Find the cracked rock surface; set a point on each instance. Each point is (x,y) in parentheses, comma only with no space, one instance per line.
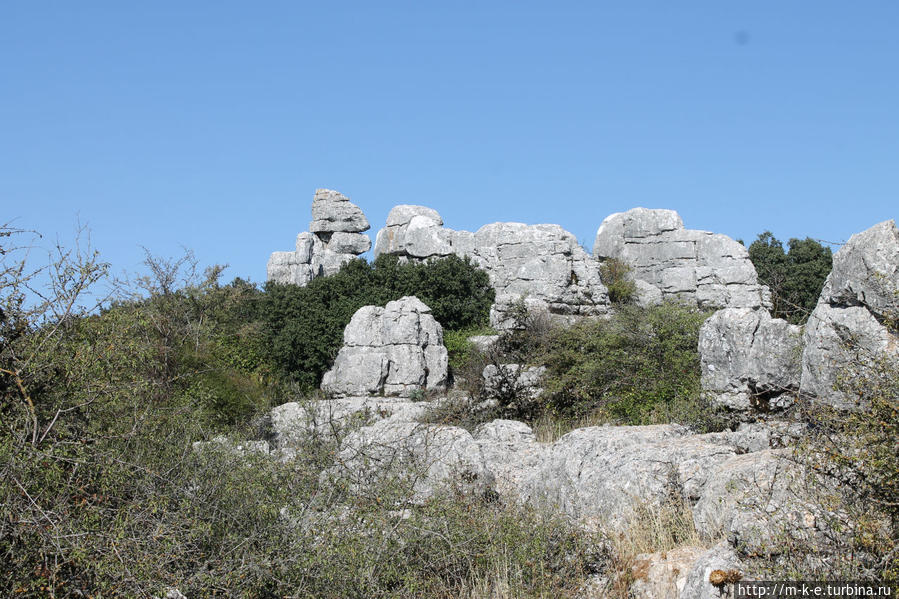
(543,264)
(712,270)
(334,238)
(848,328)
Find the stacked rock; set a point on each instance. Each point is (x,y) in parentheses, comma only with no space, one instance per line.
(334,238)
(541,264)
(712,270)
(393,351)
(854,324)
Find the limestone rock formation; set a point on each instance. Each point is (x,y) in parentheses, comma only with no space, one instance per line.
(511,452)
(851,325)
(542,264)
(333,212)
(720,559)
(599,474)
(334,238)
(422,459)
(286,425)
(711,269)
(754,498)
(663,575)
(395,351)
(749,360)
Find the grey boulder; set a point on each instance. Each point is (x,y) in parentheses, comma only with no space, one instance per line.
(848,331)
(749,361)
(395,351)
(711,270)
(332,212)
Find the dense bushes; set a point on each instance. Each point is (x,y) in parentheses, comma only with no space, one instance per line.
(795,277)
(640,366)
(304,325)
(104,493)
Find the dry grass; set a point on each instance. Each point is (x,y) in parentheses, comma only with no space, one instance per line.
(651,529)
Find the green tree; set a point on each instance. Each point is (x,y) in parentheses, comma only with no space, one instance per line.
(795,277)
(304,325)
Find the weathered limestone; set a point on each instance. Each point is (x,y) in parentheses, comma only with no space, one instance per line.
(334,238)
(513,380)
(396,351)
(755,500)
(848,330)
(288,424)
(749,360)
(663,575)
(511,452)
(332,212)
(541,264)
(719,564)
(598,475)
(421,459)
(710,269)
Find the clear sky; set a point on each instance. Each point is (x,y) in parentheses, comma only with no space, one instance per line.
(210,124)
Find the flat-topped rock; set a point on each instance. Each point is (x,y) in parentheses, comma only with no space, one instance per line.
(332,212)
(712,270)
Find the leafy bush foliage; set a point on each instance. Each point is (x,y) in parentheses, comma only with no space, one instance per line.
(104,493)
(795,277)
(304,325)
(641,366)
(459,348)
(615,275)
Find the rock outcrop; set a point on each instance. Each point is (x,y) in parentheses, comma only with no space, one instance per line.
(542,264)
(663,575)
(719,564)
(395,351)
(599,475)
(854,324)
(710,269)
(756,500)
(508,381)
(334,238)
(511,452)
(749,360)
(288,424)
(415,460)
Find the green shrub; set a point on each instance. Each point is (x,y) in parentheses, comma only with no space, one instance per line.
(795,277)
(304,325)
(103,492)
(640,366)
(616,276)
(458,346)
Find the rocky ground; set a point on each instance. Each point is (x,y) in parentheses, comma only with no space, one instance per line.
(743,489)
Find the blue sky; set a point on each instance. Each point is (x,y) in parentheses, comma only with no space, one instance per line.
(210,124)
